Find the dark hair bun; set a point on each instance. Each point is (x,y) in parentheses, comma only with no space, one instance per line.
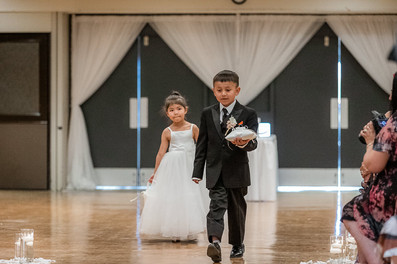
(174,98)
(175,93)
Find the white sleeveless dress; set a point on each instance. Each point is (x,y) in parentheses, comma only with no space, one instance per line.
(175,207)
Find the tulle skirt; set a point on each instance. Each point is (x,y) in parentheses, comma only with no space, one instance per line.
(174,206)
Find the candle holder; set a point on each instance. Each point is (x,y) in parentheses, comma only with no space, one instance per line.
(350,248)
(336,249)
(17,247)
(27,254)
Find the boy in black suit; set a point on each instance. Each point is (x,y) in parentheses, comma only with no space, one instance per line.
(227,169)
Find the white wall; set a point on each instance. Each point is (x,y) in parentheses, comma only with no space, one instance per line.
(26,22)
(59,99)
(201,6)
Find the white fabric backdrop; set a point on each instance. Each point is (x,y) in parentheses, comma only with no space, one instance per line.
(98,44)
(369,39)
(258,48)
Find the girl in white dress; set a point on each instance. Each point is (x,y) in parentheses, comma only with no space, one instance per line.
(174,205)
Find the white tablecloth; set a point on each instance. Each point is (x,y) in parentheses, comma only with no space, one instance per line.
(263,168)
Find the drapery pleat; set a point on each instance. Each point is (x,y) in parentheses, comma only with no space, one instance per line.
(258,48)
(98,45)
(369,39)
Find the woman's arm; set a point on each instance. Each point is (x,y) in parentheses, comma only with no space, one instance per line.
(165,140)
(373,161)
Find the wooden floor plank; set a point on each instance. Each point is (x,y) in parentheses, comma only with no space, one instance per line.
(100,227)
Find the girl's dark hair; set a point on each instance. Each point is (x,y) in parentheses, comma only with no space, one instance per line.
(393,102)
(174,98)
(226,76)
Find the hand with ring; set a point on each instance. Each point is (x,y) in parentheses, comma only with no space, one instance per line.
(368,132)
(365,173)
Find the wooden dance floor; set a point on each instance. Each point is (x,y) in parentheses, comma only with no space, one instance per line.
(100,227)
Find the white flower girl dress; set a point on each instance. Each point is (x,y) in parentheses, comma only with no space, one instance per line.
(175,207)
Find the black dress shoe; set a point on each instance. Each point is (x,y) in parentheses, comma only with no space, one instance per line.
(237,251)
(214,252)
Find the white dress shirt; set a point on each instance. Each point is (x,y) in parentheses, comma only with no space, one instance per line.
(229,109)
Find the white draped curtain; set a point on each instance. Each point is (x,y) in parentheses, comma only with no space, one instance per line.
(258,48)
(98,44)
(369,39)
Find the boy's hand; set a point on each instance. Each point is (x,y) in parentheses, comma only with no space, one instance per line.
(240,142)
(196,180)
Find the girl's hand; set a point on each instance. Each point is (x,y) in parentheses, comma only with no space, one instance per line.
(151,179)
(368,133)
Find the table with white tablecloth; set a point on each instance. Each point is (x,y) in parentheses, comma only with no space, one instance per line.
(263,163)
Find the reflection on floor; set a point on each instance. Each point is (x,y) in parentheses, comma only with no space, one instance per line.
(100,227)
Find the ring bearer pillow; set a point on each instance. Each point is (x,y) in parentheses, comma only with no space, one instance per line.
(241,132)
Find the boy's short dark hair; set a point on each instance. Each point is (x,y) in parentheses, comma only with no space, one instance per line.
(226,76)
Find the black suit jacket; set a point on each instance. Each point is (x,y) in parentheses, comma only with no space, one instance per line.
(216,155)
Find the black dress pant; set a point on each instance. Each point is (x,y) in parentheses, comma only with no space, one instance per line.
(232,200)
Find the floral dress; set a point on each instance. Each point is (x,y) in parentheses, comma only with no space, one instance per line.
(377,203)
